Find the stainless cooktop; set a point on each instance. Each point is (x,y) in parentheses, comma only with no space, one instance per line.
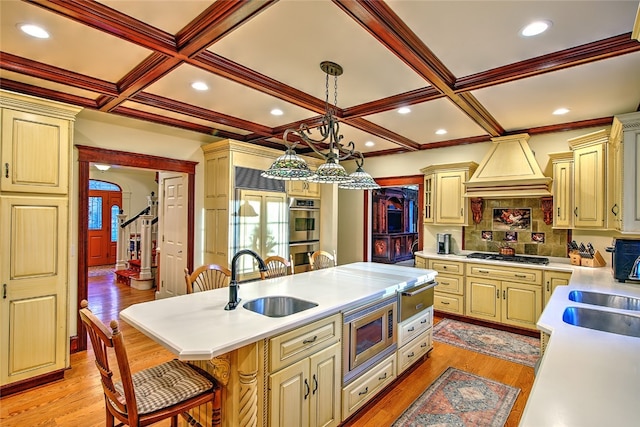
(511,258)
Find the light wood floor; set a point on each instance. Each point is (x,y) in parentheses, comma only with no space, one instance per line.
(78,400)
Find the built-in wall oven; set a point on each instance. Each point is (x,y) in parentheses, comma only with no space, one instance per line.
(369,335)
(304,230)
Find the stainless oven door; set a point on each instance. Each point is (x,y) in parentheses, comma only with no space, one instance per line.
(414,300)
(304,220)
(299,252)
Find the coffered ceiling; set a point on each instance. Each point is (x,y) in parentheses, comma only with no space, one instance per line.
(460,66)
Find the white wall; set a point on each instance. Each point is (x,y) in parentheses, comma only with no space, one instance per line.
(351,210)
(136,185)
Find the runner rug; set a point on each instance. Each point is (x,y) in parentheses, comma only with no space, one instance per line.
(458,398)
(505,345)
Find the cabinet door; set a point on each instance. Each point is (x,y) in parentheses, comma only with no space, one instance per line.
(33,311)
(589,197)
(450,204)
(35,153)
(304,189)
(483,298)
(553,279)
(521,304)
(289,393)
(562,194)
(325,384)
(429,199)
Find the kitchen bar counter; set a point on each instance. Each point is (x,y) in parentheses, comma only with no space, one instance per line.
(196,326)
(586,377)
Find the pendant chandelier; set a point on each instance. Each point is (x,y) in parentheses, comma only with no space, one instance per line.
(290,166)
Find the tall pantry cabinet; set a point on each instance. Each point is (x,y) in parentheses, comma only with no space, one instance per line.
(36,142)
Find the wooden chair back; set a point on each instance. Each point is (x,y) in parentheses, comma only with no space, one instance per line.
(322,259)
(207,277)
(277,266)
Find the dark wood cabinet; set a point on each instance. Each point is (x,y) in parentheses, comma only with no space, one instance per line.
(395,224)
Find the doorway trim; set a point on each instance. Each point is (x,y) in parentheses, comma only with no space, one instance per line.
(396,181)
(87,155)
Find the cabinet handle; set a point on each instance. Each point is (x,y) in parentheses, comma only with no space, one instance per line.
(365,391)
(498,293)
(6,170)
(445,302)
(4,291)
(548,288)
(410,354)
(306,389)
(310,340)
(461,211)
(423,345)
(384,377)
(575,211)
(411,329)
(444,267)
(558,212)
(614,209)
(483,271)
(423,321)
(504,294)
(315,384)
(520,276)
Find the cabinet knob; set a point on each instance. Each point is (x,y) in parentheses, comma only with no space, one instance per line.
(6,170)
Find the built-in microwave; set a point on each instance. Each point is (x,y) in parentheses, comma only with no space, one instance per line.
(369,335)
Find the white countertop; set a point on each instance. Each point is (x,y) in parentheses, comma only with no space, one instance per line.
(586,377)
(196,326)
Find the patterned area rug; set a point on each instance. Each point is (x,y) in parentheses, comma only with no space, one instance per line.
(101,270)
(460,399)
(505,345)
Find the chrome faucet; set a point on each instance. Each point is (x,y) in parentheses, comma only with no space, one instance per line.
(233,285)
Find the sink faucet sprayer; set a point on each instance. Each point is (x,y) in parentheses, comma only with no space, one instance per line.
(233,285)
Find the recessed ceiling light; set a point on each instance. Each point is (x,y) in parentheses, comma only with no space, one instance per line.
(561,111)
(404,110)
(441,132)
(535,28)
(369,144)
(277,112)
(102,167)
(199,86)
(34,31)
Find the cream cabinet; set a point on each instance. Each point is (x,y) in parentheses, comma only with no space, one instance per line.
(309,190)
(553,279)
(446,202)
(589,178)
(36,141)
(367,386)
(625,141)
(449,293)
(562,189)
(414,339)
(305,375)
(511,296)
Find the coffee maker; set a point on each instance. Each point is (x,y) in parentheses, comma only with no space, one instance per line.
(444,243)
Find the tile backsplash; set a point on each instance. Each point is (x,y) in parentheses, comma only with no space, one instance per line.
(542,240)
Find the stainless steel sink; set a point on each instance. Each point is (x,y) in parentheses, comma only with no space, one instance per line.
(605,300)
(606,321)
(278,306)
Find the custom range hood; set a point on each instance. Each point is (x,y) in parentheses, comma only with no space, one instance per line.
(508,170)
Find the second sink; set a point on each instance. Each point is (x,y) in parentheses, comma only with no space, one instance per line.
(278,306)
(605,300)
(606,321)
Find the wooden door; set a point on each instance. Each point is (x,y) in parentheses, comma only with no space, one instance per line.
(33,311)
(325,387)
(102,239)
(289,392)
(173,234)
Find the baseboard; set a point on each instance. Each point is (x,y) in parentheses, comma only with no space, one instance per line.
(19,386)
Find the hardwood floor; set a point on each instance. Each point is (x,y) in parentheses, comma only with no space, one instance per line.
(78,400)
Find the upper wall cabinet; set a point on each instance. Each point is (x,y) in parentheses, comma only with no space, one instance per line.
(625,148)
(589,178)
(444,201)
(306,189)
(562,189)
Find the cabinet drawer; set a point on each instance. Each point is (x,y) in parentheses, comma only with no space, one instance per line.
(413,351)
(448,302)
(521,275)
(448,267)
(368,385)
(414,326)
(450,284)
(302,342)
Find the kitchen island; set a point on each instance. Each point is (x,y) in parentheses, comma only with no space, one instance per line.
(232,344)
(586,377)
